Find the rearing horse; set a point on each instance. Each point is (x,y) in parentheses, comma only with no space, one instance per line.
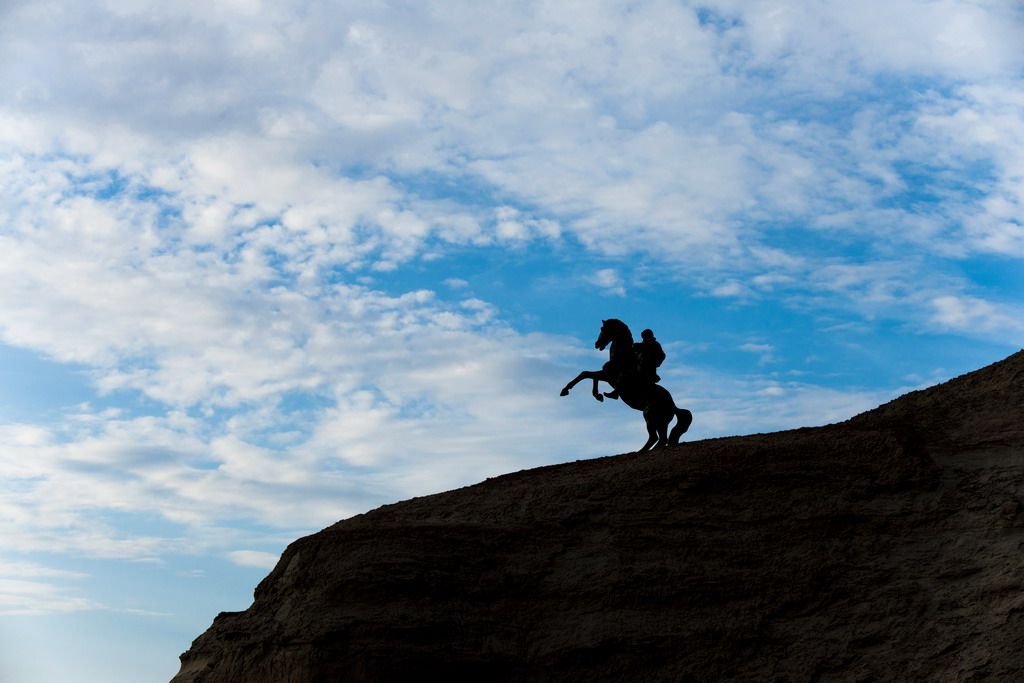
(622,373)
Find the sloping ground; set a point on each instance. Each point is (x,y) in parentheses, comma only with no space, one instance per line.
(887,547)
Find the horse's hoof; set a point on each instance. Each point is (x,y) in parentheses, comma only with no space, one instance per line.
(564,392)
(599,398)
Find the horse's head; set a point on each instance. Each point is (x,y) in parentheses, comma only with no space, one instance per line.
(613,330)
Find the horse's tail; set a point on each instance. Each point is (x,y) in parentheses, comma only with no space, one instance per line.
(683,419)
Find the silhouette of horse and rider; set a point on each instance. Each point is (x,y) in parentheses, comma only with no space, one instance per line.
(631,371)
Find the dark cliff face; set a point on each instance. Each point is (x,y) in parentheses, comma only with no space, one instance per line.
(887,547)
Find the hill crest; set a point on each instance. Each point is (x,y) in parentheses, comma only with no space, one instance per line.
(882,547)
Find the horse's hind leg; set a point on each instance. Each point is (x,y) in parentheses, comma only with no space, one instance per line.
(652,433)
(663,432)
(684,418)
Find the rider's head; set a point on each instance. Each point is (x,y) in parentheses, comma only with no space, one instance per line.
(647,335)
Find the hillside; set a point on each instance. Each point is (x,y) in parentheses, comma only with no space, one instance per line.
(886,547)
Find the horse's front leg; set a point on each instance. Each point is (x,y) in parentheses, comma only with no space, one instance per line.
(595,375)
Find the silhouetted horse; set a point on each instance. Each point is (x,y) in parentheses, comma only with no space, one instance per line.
(622,373)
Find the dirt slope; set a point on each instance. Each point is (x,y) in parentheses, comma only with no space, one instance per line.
(887,547)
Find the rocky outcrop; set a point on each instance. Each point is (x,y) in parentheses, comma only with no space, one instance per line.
(887,547)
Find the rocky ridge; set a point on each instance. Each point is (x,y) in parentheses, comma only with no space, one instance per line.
(886,547)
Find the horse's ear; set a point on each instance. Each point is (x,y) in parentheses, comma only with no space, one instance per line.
(603,322)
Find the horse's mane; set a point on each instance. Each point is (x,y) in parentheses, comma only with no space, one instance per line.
(620,328)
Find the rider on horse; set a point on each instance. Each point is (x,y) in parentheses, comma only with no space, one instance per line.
(649,355)
(631,371)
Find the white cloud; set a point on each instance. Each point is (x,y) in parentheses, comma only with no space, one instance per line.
(766,353)
(609,280)
(631,130)
(21,597)
(974,316)
(729,289)
(23,593)
(254,558)
(33,570)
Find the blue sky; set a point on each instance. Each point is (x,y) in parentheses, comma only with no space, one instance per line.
(264,266)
